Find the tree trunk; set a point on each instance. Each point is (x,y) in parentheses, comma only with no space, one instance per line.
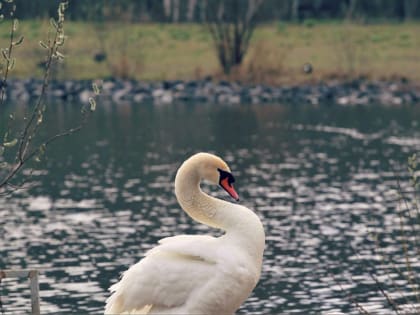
(203,10)
(409,9)
(351,10)
(295,10)
(175,11)
(167,8)
(191,10)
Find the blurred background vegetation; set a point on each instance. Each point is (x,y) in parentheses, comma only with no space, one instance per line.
(173,39)
(195,10)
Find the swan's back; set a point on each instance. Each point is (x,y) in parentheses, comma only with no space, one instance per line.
(183,275)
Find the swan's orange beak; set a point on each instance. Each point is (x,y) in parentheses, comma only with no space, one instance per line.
(226,185)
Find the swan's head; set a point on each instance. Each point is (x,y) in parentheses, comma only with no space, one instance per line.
(213,169)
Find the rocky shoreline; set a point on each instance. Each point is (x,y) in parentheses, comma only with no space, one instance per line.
(355,92)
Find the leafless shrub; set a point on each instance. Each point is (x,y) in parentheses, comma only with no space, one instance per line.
(27,144)
(231,24)
(399,280)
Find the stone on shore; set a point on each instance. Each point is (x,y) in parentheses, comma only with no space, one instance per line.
(356,92)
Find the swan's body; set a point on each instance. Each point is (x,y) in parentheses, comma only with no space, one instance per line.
(192,274)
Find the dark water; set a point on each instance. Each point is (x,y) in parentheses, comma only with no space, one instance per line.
(323,180)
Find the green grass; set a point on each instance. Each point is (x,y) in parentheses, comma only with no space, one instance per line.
(185,51)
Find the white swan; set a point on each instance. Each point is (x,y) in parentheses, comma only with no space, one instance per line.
(193,274)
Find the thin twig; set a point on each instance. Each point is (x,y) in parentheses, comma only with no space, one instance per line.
(8,60)
(1,301)
(25,141)
(389,260)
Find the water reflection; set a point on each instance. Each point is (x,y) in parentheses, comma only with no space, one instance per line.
(322,179)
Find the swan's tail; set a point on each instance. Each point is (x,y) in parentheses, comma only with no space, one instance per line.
(115,305)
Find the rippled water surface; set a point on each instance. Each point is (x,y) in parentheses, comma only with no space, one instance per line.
(321,179)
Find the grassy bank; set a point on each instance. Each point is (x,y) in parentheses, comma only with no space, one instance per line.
(277,54)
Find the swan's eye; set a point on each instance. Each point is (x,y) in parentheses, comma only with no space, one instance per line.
(226,176)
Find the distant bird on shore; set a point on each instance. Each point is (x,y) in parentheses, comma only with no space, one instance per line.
(307,68)
(99,56)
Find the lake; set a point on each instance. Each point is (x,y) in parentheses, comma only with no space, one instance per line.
(322,179)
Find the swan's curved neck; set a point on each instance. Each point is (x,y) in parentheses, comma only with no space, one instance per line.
(241,224)
(200,206)
(208,210)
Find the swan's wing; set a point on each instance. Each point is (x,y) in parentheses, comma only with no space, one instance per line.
(166,277)
(199,246)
